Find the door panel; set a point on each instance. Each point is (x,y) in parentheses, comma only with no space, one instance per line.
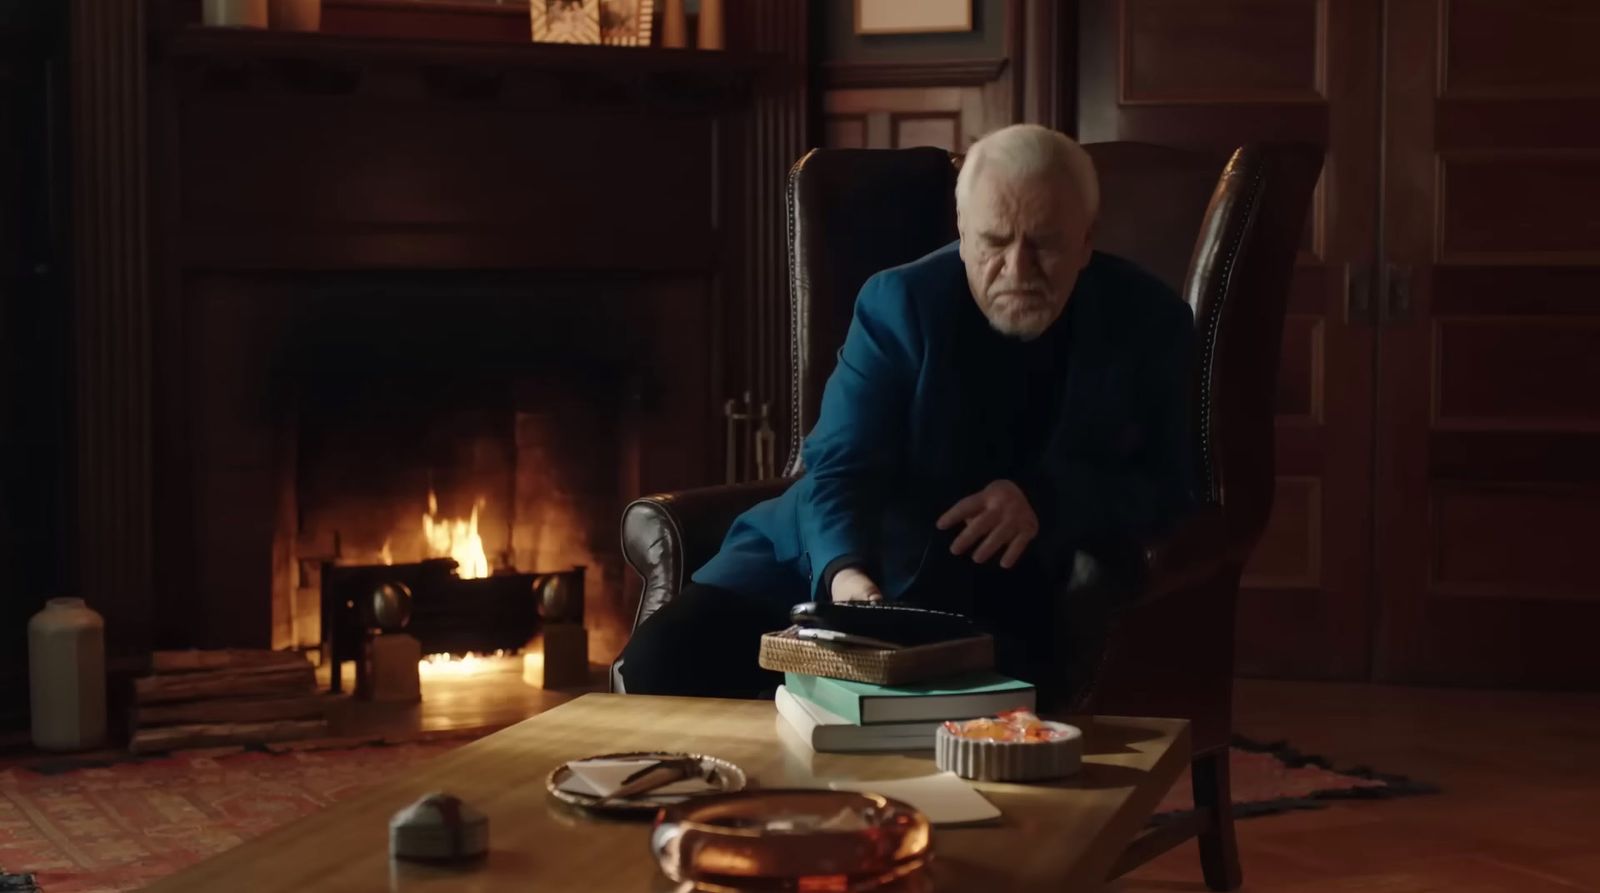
(1213,74)
(1488,416)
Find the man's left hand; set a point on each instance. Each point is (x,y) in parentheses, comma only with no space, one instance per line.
(998,517)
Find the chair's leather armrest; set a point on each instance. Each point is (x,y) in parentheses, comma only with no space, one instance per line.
(1192,553)
(666,536)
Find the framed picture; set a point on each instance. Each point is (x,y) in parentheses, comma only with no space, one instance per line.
(920,17)
(626,22)
(565,21)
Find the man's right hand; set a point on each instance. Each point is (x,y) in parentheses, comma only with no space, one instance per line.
(852,585)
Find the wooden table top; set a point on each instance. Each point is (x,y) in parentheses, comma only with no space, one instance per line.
(1062,836)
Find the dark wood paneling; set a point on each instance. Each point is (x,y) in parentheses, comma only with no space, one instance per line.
(455,20)
(942,130)
(1487,427)
(1530,203)
(1521,47)
(910,73)
(1507,643)
(1222,126)
(1309,291)
(1221,51)
(1460,290)
(1293,633)
(113,402)
(1554,456)
(1518,373)
(1290,554)
(433,20)
(342,180)
(777,134)
(1215,76)
(1300,372)
(845,132)
(1519,542)
(1517,121)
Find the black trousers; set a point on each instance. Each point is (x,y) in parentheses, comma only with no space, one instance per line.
(706,642)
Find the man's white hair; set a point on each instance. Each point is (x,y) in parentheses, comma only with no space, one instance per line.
(1028,150)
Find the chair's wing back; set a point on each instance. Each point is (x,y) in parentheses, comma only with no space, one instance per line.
(1238,286)
(852,213)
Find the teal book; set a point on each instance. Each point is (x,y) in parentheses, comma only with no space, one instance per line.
(962,697)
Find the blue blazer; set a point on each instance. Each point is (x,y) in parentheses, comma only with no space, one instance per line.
(907,428)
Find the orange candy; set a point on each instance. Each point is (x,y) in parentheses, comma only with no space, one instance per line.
(1015,725)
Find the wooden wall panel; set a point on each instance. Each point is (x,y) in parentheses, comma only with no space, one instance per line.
(941,130)
(950,117)
(1214,75)
(1488,422)
(1290,554)
(1518,373)
(845,132)
(899,91)
(1514,290)
(1515,541)
(775,133)
(1521,48)
(1222,50)
(1300,372)
(1507,204)
(1515,455)
(115,366)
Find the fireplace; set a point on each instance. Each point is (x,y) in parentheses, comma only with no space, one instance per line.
(331,276)
(499,422)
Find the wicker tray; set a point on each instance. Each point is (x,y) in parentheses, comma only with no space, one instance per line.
(788,653)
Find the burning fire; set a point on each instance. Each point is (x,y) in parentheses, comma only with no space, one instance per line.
(436,666)
(458,539)
(455,538)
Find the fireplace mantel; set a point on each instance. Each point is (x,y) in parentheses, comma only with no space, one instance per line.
(226,47)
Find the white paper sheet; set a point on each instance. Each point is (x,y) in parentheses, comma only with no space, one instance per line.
(943,797)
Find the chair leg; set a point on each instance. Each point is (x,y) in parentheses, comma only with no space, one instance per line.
(1219,854)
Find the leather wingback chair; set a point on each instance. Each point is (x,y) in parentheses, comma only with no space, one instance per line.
(1225,236)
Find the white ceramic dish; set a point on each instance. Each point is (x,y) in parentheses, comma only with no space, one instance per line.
(1011,760)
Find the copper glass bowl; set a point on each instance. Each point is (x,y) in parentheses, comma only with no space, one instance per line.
(788,840)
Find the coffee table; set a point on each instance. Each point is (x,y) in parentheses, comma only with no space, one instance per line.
(1061,837)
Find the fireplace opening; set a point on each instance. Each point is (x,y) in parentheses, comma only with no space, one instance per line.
(472,488)
(476,432)
(498,420)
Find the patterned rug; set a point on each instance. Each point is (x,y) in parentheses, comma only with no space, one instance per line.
(120,825)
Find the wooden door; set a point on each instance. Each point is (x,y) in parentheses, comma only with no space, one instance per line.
(1215,74)
(1489,406)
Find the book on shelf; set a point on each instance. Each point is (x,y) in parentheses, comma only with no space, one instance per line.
(962,697)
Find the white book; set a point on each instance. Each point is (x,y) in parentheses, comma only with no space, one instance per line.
(828,733)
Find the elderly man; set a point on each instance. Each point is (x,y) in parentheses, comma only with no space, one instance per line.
(1002,409)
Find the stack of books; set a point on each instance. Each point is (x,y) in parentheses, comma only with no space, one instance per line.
(840,715)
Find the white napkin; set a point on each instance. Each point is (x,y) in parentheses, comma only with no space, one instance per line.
(602,778)
(943,797)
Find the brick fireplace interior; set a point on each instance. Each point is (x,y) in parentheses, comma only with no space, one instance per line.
(328,409)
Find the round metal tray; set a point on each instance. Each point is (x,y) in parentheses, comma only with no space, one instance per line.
(725,777)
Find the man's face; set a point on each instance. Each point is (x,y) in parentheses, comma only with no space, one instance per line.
(1024,241)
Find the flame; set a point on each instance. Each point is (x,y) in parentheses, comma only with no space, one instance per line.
(455,538)
(386,555)
(470,664)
